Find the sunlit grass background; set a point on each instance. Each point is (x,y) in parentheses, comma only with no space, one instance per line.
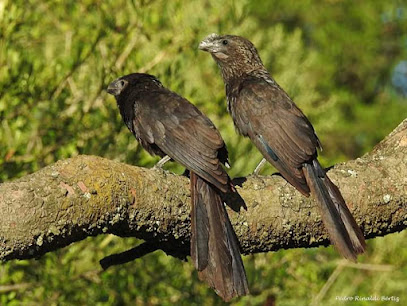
(341,61)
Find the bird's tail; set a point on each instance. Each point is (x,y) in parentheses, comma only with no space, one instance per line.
(214,246)
(343,231)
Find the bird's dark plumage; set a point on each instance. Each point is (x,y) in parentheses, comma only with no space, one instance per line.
(167,124)
(262,111)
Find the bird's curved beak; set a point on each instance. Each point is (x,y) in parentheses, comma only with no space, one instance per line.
(208,44)
(204,46)
(113,88)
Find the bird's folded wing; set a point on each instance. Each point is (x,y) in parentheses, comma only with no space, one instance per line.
(185,134)
(278,128)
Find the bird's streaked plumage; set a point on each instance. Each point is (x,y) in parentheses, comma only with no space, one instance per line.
(263,111)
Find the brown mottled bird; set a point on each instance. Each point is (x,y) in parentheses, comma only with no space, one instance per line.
(167,124)
(263,111)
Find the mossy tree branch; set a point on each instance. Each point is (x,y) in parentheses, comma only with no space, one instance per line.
(87,196)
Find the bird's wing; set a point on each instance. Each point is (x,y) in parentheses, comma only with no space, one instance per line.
(182,132)
(278,128)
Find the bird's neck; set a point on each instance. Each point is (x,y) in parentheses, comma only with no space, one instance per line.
(233,84)
(237,73)
(237,77)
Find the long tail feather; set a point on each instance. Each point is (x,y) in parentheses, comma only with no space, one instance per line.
(214,246)
(342,228)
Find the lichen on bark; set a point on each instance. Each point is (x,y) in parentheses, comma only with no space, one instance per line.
(88,196)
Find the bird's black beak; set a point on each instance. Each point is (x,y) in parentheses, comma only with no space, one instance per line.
(208,44)
(114,88)
(203,46)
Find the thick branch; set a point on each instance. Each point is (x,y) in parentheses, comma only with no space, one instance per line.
(87,196)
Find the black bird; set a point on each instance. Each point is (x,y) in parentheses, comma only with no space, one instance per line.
(262,111)
(165,123)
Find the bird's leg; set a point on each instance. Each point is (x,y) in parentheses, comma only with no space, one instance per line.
(162,161)
(259,167)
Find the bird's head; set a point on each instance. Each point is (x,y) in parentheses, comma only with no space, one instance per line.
(235,55)
(134,82)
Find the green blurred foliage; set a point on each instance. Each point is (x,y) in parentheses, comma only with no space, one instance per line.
(334,58)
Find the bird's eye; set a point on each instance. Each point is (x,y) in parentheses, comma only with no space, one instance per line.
(224,42)
(122,83)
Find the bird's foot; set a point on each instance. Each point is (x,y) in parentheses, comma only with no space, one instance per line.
(161,163)
(259,167)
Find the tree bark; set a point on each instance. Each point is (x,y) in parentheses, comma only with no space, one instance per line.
(88,195)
